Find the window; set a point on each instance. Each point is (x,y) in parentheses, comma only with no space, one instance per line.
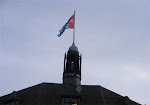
(70,101)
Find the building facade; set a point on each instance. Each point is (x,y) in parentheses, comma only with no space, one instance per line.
(70,92)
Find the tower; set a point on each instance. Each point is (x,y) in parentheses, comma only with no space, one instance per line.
(72,77)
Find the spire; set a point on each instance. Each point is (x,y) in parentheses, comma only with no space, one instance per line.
(73,48)
(72,62)
(72,71)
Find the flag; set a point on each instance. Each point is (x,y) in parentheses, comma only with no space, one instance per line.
(69,24)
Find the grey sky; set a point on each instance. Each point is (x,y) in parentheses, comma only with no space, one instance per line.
(112,35)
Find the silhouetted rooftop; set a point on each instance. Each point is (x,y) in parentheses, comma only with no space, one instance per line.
(50,94)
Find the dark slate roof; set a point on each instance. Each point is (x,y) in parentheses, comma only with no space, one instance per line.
(73,48)
(51,93)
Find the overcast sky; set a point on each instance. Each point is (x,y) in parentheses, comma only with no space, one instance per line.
(112,35)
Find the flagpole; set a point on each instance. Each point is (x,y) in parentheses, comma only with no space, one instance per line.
(74,30)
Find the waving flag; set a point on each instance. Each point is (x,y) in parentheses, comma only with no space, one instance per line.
(69,24)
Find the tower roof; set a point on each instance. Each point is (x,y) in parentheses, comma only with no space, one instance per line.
(73,48)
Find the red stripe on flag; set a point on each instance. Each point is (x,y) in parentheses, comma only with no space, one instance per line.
(71,22)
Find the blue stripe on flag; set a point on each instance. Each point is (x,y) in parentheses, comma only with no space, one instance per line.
(63,29)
